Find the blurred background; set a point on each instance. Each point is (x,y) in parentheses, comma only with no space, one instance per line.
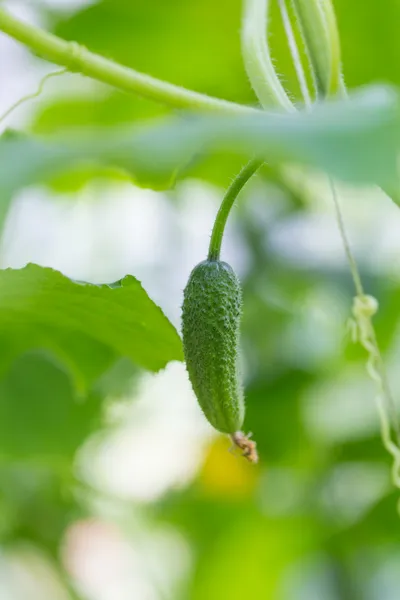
(146,502)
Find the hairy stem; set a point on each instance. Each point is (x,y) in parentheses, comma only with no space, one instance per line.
(257,57)
(78,59)
(294,51)
(318,26)
(229,199)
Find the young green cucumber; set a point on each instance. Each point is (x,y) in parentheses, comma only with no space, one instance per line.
(212,309)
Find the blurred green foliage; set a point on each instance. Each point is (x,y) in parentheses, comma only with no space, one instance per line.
(318,516)
(355,140)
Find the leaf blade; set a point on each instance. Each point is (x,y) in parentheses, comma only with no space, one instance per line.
(51,308)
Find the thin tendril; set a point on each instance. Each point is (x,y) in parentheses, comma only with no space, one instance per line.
(343,234)
(34,94)
(364,308)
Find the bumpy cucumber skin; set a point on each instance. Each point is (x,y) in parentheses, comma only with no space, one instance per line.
(212,309)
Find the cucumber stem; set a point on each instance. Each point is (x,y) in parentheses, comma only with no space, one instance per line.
(229,199)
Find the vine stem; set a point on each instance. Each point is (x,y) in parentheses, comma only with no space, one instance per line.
(77,58)
(222,216)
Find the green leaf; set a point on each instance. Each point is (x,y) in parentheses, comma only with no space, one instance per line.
(355,140)
(86,326)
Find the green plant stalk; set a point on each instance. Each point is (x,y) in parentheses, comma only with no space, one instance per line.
(257,57)
(229,199)
(294,51)
(78,59)
(318,26)
(336,54)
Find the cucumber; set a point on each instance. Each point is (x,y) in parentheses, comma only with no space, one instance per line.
(212,309)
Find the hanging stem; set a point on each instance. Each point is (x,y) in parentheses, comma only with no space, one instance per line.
(269,91)
(229,199)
